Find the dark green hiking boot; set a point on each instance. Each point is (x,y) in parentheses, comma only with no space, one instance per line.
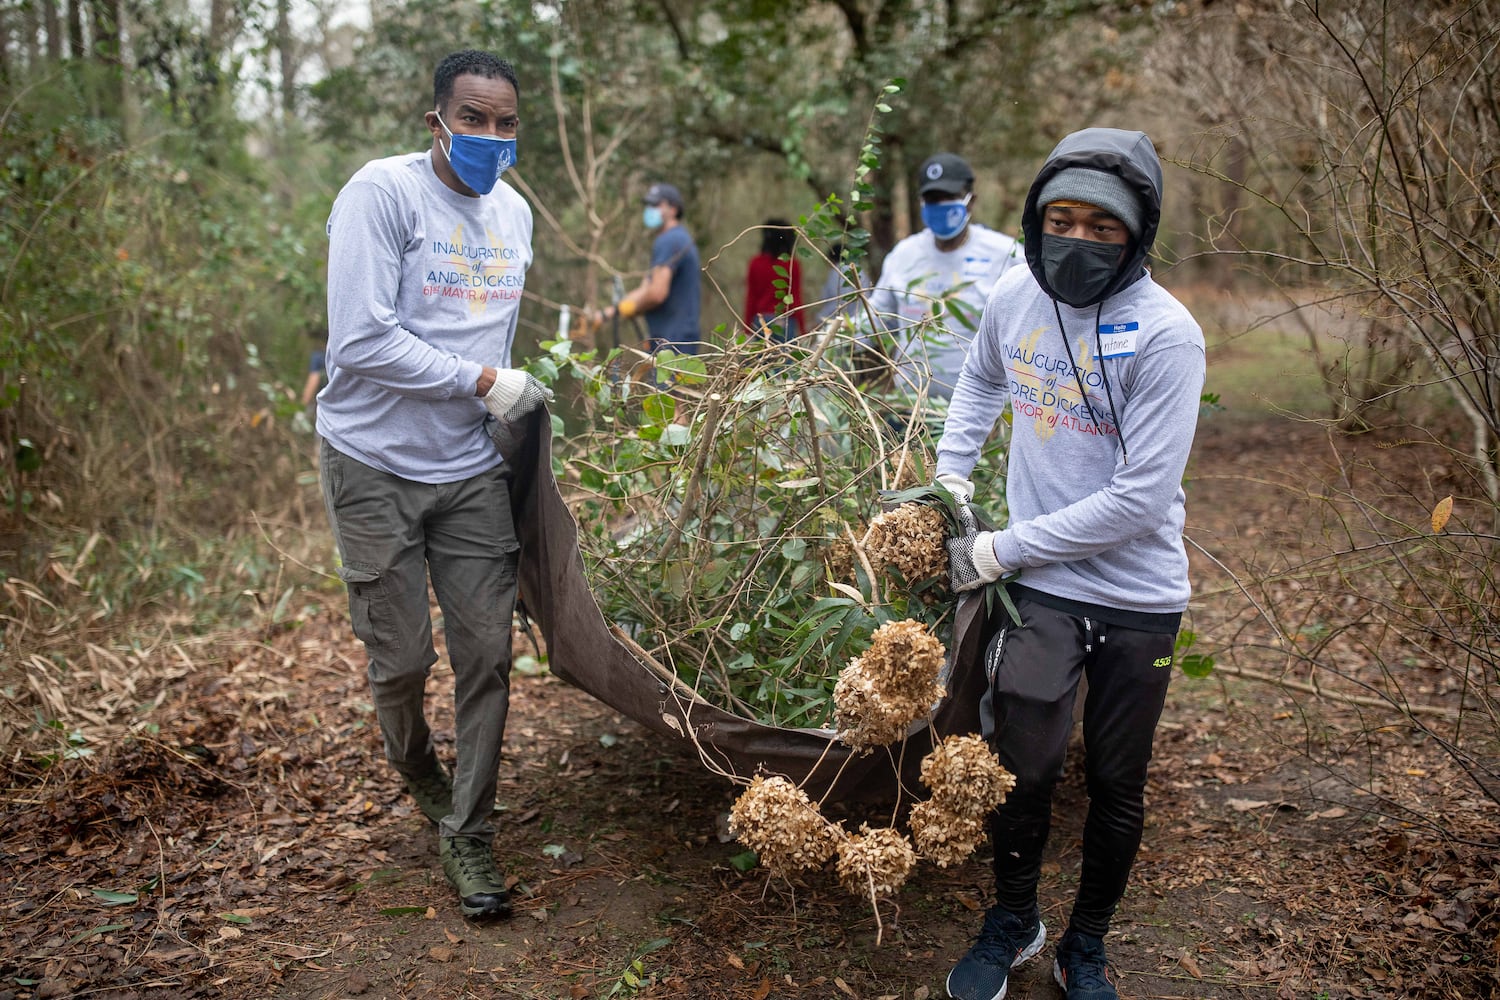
(433,790)
(470,866)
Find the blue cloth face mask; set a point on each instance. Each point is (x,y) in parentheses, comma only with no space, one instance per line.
(478,160)
(651,217)
(946,219)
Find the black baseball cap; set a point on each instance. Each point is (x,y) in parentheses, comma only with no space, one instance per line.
(945,173)
(661,192)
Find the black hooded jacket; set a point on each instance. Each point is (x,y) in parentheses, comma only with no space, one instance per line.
(1129,155)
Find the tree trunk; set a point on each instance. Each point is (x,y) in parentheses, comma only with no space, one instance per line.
(51,24)
(106,33)
(130,103)
(30,29)
(287,58)
(4,45)
(75,29)
(218,26)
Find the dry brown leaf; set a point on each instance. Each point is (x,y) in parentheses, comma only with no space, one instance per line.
(1189,965)
(762,989)
(1245,805)
(1441,513)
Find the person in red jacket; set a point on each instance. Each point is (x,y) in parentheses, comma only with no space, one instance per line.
(766,311)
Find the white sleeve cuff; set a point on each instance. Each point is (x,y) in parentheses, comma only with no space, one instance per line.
(985,562)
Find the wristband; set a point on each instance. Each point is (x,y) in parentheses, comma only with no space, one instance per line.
(626,308)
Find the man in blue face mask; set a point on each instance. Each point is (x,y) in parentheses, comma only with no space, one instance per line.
(427,257)
(1102,369)
(952,257)
(670,293)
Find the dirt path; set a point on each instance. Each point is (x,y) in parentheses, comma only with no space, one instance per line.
(256,845)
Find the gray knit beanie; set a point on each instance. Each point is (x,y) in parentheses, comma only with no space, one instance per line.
(1095,187)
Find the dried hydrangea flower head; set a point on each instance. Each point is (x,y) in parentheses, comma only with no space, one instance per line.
(895,683)
(875,861)
(838,556)
(864,717)
(908,473)
(942,837)
(784,828)
(911,539)
(966,777)
(906,659)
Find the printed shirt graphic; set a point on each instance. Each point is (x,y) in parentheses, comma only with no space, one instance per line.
(1044,387)
(478,273)
(424,288)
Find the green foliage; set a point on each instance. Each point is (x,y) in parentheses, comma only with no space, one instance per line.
(1190,663)
(155,295)
(634,976)
(835,220)
(732,544)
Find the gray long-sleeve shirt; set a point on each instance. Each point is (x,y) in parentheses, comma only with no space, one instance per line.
(424,289)
(1085,525)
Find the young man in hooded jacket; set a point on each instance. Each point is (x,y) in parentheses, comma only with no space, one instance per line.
(1103,370)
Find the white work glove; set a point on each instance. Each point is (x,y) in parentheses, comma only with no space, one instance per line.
(515,394)
(963,492)
(972,562)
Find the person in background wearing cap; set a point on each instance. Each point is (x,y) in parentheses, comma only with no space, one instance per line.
(668,296)
(427,257)
(953,256)
(1103,371)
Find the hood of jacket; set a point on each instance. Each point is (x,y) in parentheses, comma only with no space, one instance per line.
(1132,157)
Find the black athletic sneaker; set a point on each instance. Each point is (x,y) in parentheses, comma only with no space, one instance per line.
(469,864)
(1081,968)
(1005,941)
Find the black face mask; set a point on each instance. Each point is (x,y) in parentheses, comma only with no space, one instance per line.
(1079,272)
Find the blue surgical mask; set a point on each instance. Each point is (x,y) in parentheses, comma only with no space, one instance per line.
(479,160)
(946,219)
(651,217)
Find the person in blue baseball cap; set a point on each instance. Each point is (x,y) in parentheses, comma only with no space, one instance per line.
(669,296)
(953,255)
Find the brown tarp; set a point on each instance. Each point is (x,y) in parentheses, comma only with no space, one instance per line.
(584,651)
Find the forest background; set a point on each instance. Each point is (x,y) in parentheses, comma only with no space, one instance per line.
(168,168)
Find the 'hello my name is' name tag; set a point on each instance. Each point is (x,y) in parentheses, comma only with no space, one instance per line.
(1117,340)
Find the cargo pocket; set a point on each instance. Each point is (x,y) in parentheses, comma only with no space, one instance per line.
(369,608)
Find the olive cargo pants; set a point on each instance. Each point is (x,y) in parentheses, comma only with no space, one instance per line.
(392,536)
